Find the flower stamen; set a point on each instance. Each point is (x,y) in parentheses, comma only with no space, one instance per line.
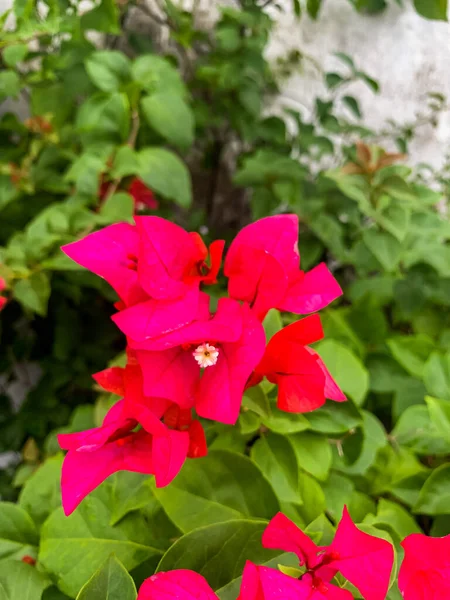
(206,355)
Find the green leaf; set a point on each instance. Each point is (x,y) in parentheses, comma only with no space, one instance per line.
(256,400)
(313,7)
(346,368)
(169,115)
(14,54)
(118,207)
(110,582)
(218,552)
(393,518)
(334,418)
(222,486)
(282,422)
(412,352)
(41,493)
(440,416)
(19,581)
(338,492)
(126,162)
(272,323)
(384,246)
(333,80)
(395,219)
(352,104)
(156,74)
(104,18)
(109,70)
(432,9)
(416,430)
(18,533)
(85,540)
(434,497)
(106,116)
(164,173)
(436,375)
(276,458)
(130,492)
(312,496)
(9,84)
(313,453)
(33,293)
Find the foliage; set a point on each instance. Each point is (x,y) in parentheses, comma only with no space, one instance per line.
(190,123)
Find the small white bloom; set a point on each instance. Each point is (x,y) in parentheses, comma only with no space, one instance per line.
(206,355)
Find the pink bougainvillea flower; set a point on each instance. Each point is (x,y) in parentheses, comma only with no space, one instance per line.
(2,284)
(176,585)
(3,302)
(156,268)
(262,265)
(425,571)
(143,196)
(365,560)
(303,380)
(158,448)
(264,583)
(228,346)
(171,259)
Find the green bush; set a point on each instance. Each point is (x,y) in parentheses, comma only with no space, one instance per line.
(190,123)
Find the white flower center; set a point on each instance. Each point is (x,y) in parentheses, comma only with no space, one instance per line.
(206,355)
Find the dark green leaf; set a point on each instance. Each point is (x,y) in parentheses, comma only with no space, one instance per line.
(218,552)
(104,17)
(352,104)
(41,493)
(432,9)
(110,582)
(86,539)
(18,533)
(168,114)
(109,70)
(220,487)
(33,293)
(19,581)
(434,497)
(164,173)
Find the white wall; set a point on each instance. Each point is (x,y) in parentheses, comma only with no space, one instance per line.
(406,53)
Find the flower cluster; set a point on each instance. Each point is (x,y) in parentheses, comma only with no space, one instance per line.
(364,560)
(184,357)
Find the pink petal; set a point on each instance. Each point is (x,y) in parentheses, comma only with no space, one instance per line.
(310,292)
(2,284)
(166,254)
(176,585)
(277,236)
(264,583)
(425,570)
(171,374)
(154,318)
(221,386)
(111,380)
(82,472)
(108,253)
(260,261)
(169,453)
(224,326)
(300,393)
(283,534)
(366,561)
(3,302)
(92,439)
(332,390)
